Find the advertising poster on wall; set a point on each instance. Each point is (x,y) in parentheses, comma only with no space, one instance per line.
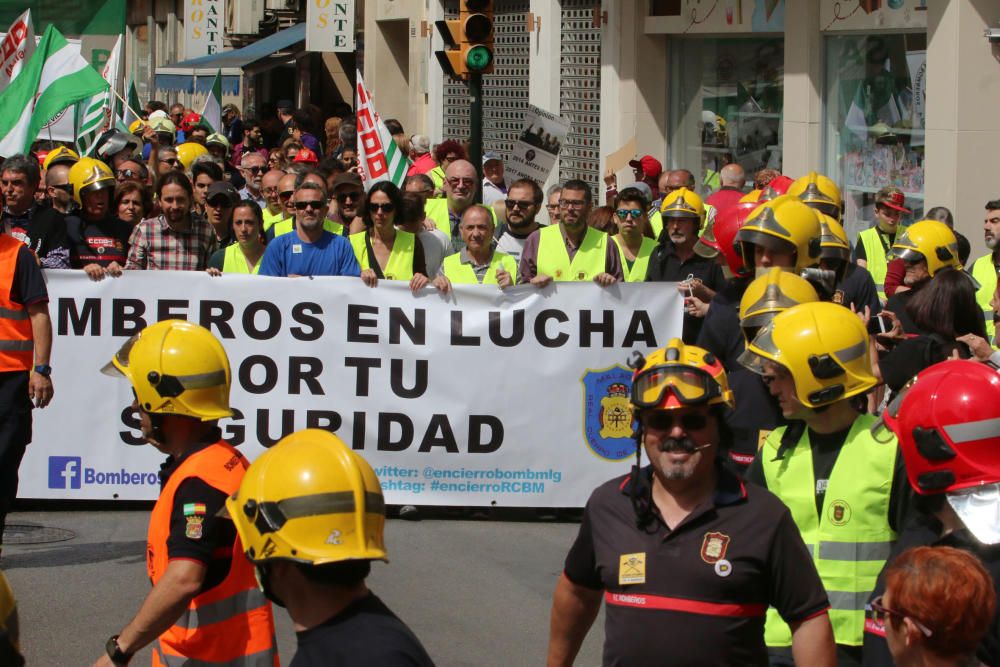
(697,16)
(872,14)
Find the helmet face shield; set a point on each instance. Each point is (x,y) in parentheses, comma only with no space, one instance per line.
(118,366)
(689,386)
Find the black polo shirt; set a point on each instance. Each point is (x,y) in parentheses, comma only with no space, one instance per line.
(666,266)
(695,594)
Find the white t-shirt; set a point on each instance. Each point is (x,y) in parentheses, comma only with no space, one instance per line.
(437,246)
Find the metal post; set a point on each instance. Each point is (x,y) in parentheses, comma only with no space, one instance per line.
(476,128)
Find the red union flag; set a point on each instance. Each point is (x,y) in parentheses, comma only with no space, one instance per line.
(379,156)
(16,48)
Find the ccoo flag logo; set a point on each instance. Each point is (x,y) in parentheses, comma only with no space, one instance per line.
(607,413)
(65,472)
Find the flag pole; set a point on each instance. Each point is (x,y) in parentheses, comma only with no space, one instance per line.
(122,100)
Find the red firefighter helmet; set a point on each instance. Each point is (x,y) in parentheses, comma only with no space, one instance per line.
(721,236)
(778,186)
(948,426)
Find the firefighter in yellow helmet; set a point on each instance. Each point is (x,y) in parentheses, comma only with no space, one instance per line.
(55,173)
(677,550)
(311,515)
(846,490)
(782,232)
(180,379)
(60,155)
(188,152)
(853,286)
(98,239)
(819,192)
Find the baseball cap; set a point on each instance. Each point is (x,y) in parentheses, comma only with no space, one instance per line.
(306,155)
(650,166)
(346,178)
(224,188)
(892,197)
(490,156)
(644,188)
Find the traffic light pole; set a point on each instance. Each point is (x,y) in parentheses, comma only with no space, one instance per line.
(476,128)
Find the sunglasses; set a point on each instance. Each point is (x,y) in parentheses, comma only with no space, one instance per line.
(253,170)
(461,181)
(315,205)
(665,421)
(286,195)
(384,208)
(219,202)
(624,213)
(172,161)
(881,614)
(344,196)
(65,187)
(513,203)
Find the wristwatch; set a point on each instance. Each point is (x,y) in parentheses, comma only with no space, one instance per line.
(115,652)
(44,370)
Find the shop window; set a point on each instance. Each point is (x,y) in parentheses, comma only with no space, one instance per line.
(725,105)
(875,109)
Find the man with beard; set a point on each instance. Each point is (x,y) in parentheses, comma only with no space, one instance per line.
(252,166)
(674,259)
(98,239)
(686,557)
(309,249)
(984,270)
(524,201)
(175,240)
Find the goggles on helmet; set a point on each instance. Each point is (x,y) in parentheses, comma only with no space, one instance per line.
(690,386)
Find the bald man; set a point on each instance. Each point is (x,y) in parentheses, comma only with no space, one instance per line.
(732,179)
(274,211)
(461,184)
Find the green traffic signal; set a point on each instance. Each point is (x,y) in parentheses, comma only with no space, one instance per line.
(478,58)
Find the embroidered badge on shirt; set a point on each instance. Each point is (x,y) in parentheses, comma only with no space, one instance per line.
(713,547)
(839,512)
(632,569)
(193,529)
(194,508)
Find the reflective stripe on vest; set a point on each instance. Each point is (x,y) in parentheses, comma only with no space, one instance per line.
(637,273)
(553,259)
(285,226)
(851,539)
(400,264)
(259,659)
(234,261)
(878,264)
(229,623)
(985,272)
(460,273)
(16,339)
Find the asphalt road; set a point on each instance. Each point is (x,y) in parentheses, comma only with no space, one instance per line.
(476,592)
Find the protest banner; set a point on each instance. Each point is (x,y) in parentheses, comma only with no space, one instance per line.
(476,398)
(538,146)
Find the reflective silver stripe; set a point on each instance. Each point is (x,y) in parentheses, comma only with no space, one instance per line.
(259,659)
(847,600)
(854,551)
(221,610)
(202,380)
(853,352)
(9,314)
(16,345)
(980,430)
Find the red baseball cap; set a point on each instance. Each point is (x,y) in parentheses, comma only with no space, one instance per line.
(650,166)
(892,197)
(306,155)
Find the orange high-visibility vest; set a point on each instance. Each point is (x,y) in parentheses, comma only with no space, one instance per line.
(17,346)
(231,623)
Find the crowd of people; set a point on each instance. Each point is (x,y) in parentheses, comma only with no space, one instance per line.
(823,439)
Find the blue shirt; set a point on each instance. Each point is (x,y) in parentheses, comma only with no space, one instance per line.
(331,255)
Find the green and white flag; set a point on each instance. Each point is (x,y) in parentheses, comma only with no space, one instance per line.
(379,157)
(211,114)
(93,116)
(55,78)
(134,106)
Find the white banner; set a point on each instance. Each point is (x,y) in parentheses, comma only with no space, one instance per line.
(540,142)
(482,397)
(203,27)
(16,48)
(330,25)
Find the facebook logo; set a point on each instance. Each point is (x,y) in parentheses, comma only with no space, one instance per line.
(65,472)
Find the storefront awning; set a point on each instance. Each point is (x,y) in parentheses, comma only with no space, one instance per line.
(197,74)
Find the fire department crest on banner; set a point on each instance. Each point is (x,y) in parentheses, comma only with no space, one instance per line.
(607,413)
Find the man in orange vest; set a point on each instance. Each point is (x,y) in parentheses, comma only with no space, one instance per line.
(205,606)
(25,345)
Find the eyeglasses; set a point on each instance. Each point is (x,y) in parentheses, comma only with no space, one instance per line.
(286,195)
(513,203)
(455,181)
(880,612)
(572,203)
(269,191)
(172,161)
(342,197)
(219,202)
(253,170)
(552,207)
(385,208)
(624,213)
(315,205)
(664,420)
(128,173)
(65,187)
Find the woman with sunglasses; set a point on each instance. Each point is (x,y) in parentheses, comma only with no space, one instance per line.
(948,425)
(938,604)
(382,250)
(635,237)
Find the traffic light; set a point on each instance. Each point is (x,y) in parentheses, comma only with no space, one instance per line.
(468,40)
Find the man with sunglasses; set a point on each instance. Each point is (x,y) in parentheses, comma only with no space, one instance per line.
(309,249)
(288,224)
(460,188)
(132,170)
(252,166)
(685,556)
(524,201)
(846,490)
(349,193)
(57,188)
(947,426)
